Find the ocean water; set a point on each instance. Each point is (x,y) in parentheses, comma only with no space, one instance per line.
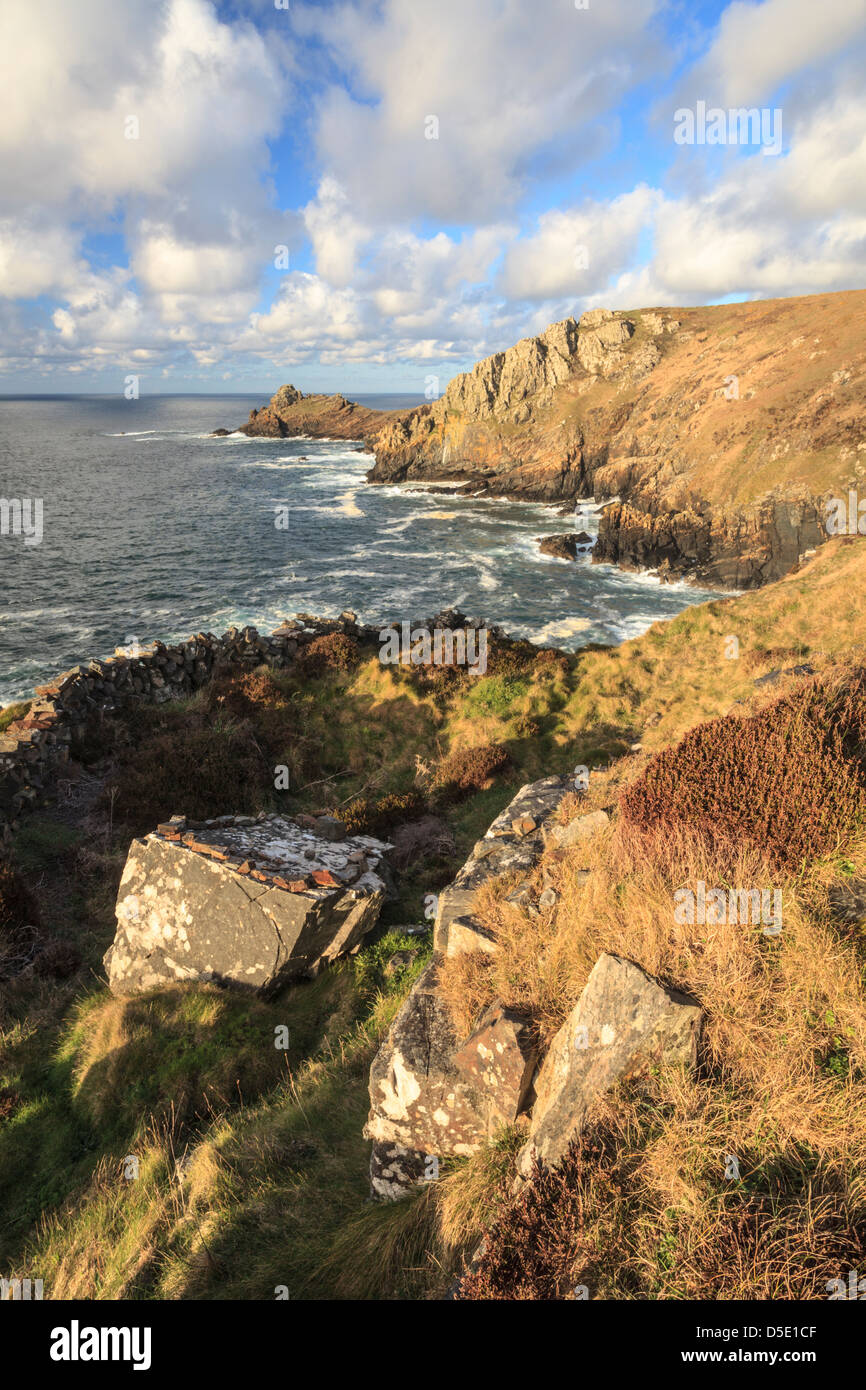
(151,529)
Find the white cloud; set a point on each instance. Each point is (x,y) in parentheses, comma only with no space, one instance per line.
(513,86)
(576,252)
(422,251)
(759,46)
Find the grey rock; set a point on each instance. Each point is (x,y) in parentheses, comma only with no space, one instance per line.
(624,1022)
(185,913)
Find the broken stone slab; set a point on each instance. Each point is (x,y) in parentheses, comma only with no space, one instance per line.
(248,905)
(499,1060)
(422,1104)
(453,903)
(501,850)
(417,1096)
(535,801)
(624,1022)
(466,934)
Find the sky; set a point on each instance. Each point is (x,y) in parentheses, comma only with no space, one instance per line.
(369,196)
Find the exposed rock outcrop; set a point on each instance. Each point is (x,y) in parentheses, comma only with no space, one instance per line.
(241,901)
(718,432)
(623,1023)
(433,1093)
(565,547)
(730,552)
(290,413)
(515,840)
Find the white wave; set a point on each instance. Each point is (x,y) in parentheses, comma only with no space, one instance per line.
(560,629)
(348,506)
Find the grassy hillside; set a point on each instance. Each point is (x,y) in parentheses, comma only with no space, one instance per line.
(272,1188)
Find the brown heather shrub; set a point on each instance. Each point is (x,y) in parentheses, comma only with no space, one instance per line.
(246,694)
(790,780)
(194,770)
(507,658)
(58,960)
(551,661)
(365,817)
(332,652)
(472,769)
(598,1221)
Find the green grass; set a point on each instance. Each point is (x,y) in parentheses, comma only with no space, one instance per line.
(11,713)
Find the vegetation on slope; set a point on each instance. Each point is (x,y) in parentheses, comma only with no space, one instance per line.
(272,1189)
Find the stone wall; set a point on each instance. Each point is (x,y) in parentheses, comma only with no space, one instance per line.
(34,749)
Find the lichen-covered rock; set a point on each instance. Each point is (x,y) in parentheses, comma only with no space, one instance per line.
(624,1022)
(578,830)
(432,1096)
(499,1060)
(418,1098)
(508,844)
(242,902)
(395,1170)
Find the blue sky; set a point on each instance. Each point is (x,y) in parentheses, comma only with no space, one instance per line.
(371,195)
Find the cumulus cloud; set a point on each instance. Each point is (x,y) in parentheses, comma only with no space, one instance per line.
(758,47)
(156,114)
(577,252)
(449,109)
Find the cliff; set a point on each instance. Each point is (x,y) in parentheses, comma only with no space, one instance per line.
(719,431)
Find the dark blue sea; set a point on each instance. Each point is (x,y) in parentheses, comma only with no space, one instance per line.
(153,529)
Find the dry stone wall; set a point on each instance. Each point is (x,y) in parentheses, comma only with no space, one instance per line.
(35,748)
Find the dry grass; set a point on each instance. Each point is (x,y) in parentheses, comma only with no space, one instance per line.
(648,1210)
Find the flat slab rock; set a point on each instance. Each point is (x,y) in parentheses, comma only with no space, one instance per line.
(624,1022)
(239,901)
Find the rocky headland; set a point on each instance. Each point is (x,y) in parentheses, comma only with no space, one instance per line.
(290,414)
(716,435)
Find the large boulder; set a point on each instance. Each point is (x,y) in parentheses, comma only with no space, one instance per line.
(432,1096)
(624,1022)
(242,902)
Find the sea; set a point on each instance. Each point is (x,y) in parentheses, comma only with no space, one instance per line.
(150,528)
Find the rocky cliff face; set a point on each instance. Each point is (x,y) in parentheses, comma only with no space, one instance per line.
(719,431)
